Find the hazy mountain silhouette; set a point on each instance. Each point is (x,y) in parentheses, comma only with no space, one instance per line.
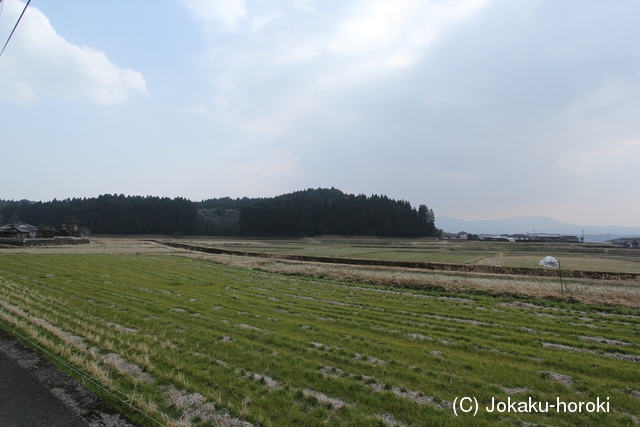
(534,224)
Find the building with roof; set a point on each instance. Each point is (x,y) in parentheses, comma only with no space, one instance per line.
(535,237)
(18,231)
(546,238)
(462,235)
(22,234)
(625,242)
(494,237)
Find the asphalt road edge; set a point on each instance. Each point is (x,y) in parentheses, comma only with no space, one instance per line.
(91,408)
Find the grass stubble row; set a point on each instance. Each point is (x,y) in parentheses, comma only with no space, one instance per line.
(198,343)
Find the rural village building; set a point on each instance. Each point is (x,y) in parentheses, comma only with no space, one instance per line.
(625,242)
(544,237)
(536,237)
(494,237)
(19,231)
(27,235)
(455,236)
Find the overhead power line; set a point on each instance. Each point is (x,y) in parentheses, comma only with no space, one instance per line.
(15,26)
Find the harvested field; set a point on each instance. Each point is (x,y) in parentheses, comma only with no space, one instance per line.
(198,342)
(595,257)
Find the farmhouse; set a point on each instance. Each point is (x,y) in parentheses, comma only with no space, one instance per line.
(23,234)
(454,236)
(494,237)
(18,231)
(626,242)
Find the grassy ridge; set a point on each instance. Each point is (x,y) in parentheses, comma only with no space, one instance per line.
(181,334)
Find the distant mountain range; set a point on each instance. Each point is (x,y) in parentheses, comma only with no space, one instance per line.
(534,224)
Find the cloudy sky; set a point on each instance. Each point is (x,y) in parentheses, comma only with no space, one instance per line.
(480,109)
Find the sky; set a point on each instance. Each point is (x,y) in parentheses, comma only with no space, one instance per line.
(480,109)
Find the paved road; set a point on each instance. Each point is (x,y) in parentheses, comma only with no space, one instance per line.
(33,393)
(26,402)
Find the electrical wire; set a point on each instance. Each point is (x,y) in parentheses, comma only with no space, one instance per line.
(15,26)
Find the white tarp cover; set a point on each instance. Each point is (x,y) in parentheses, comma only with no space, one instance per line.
(549,261)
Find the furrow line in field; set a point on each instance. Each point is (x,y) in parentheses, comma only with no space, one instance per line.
(381,387)
(616,355)
(83,327)
(84,323)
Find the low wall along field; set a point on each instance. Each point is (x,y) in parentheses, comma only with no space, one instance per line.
(193,342)
(462,268)
(54,241)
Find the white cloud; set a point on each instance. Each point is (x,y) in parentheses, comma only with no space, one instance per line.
(379,25)
(38,62)
(286,61)
(401,29)
(453,103)
(224,13)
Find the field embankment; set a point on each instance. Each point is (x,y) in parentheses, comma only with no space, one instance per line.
(461,268)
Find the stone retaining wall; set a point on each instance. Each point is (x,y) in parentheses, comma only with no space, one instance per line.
(55,241)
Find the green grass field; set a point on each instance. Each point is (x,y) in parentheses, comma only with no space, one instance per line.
(192,342)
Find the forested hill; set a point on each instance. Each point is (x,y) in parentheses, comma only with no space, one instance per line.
(330,211)
(302,213)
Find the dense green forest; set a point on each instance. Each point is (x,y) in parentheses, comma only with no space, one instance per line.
(302,213)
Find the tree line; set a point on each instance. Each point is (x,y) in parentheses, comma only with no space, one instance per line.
(110,214)
(302,213)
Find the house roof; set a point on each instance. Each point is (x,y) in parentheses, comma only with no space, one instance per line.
(18,228)
(624,240)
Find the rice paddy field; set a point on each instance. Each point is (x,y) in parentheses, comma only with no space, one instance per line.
(195,340)
(577,256)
